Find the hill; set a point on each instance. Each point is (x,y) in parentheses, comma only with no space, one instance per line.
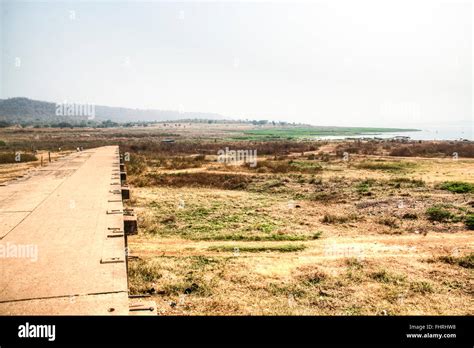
(28,111)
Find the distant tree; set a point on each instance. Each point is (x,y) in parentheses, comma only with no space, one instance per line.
(108,124)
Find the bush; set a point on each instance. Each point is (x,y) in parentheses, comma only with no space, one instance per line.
(439,214)
(136,165)
(470,221)
(410,216)
(364,186)
(457,187)
(434,149)
(11,158)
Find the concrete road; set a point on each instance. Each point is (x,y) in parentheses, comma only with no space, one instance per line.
(57,255)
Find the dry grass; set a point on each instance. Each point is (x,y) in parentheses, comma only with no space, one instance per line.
(413,149)
(351,239)
(303,233)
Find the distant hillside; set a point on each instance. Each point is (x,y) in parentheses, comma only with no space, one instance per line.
(28,111)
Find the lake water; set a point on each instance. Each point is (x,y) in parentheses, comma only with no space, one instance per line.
(425,133)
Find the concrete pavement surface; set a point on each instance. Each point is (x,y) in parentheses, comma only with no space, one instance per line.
(58,254)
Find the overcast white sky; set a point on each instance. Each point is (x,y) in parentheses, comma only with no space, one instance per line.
(367,63)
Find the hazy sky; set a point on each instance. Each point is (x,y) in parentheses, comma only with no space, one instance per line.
(377,63)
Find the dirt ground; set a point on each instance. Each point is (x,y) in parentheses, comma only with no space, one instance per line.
(205,250)
(308,231)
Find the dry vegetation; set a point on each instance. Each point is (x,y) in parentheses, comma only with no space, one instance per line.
(384,231)
(305,232)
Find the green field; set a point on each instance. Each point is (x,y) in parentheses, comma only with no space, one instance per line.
(310,132)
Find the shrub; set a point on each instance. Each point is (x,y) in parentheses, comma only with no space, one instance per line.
(410,216)
(11,158)
(136,165)
(432,149)
(470,221)
(364,186)
(457,187)
(466,261)
(437,213)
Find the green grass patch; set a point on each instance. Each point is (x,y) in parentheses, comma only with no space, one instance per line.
(248,218)
(394,166)
(469,221)
(276,237)
(440,214)
(257,249)
(288,133)
(457,187)
(365,186)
